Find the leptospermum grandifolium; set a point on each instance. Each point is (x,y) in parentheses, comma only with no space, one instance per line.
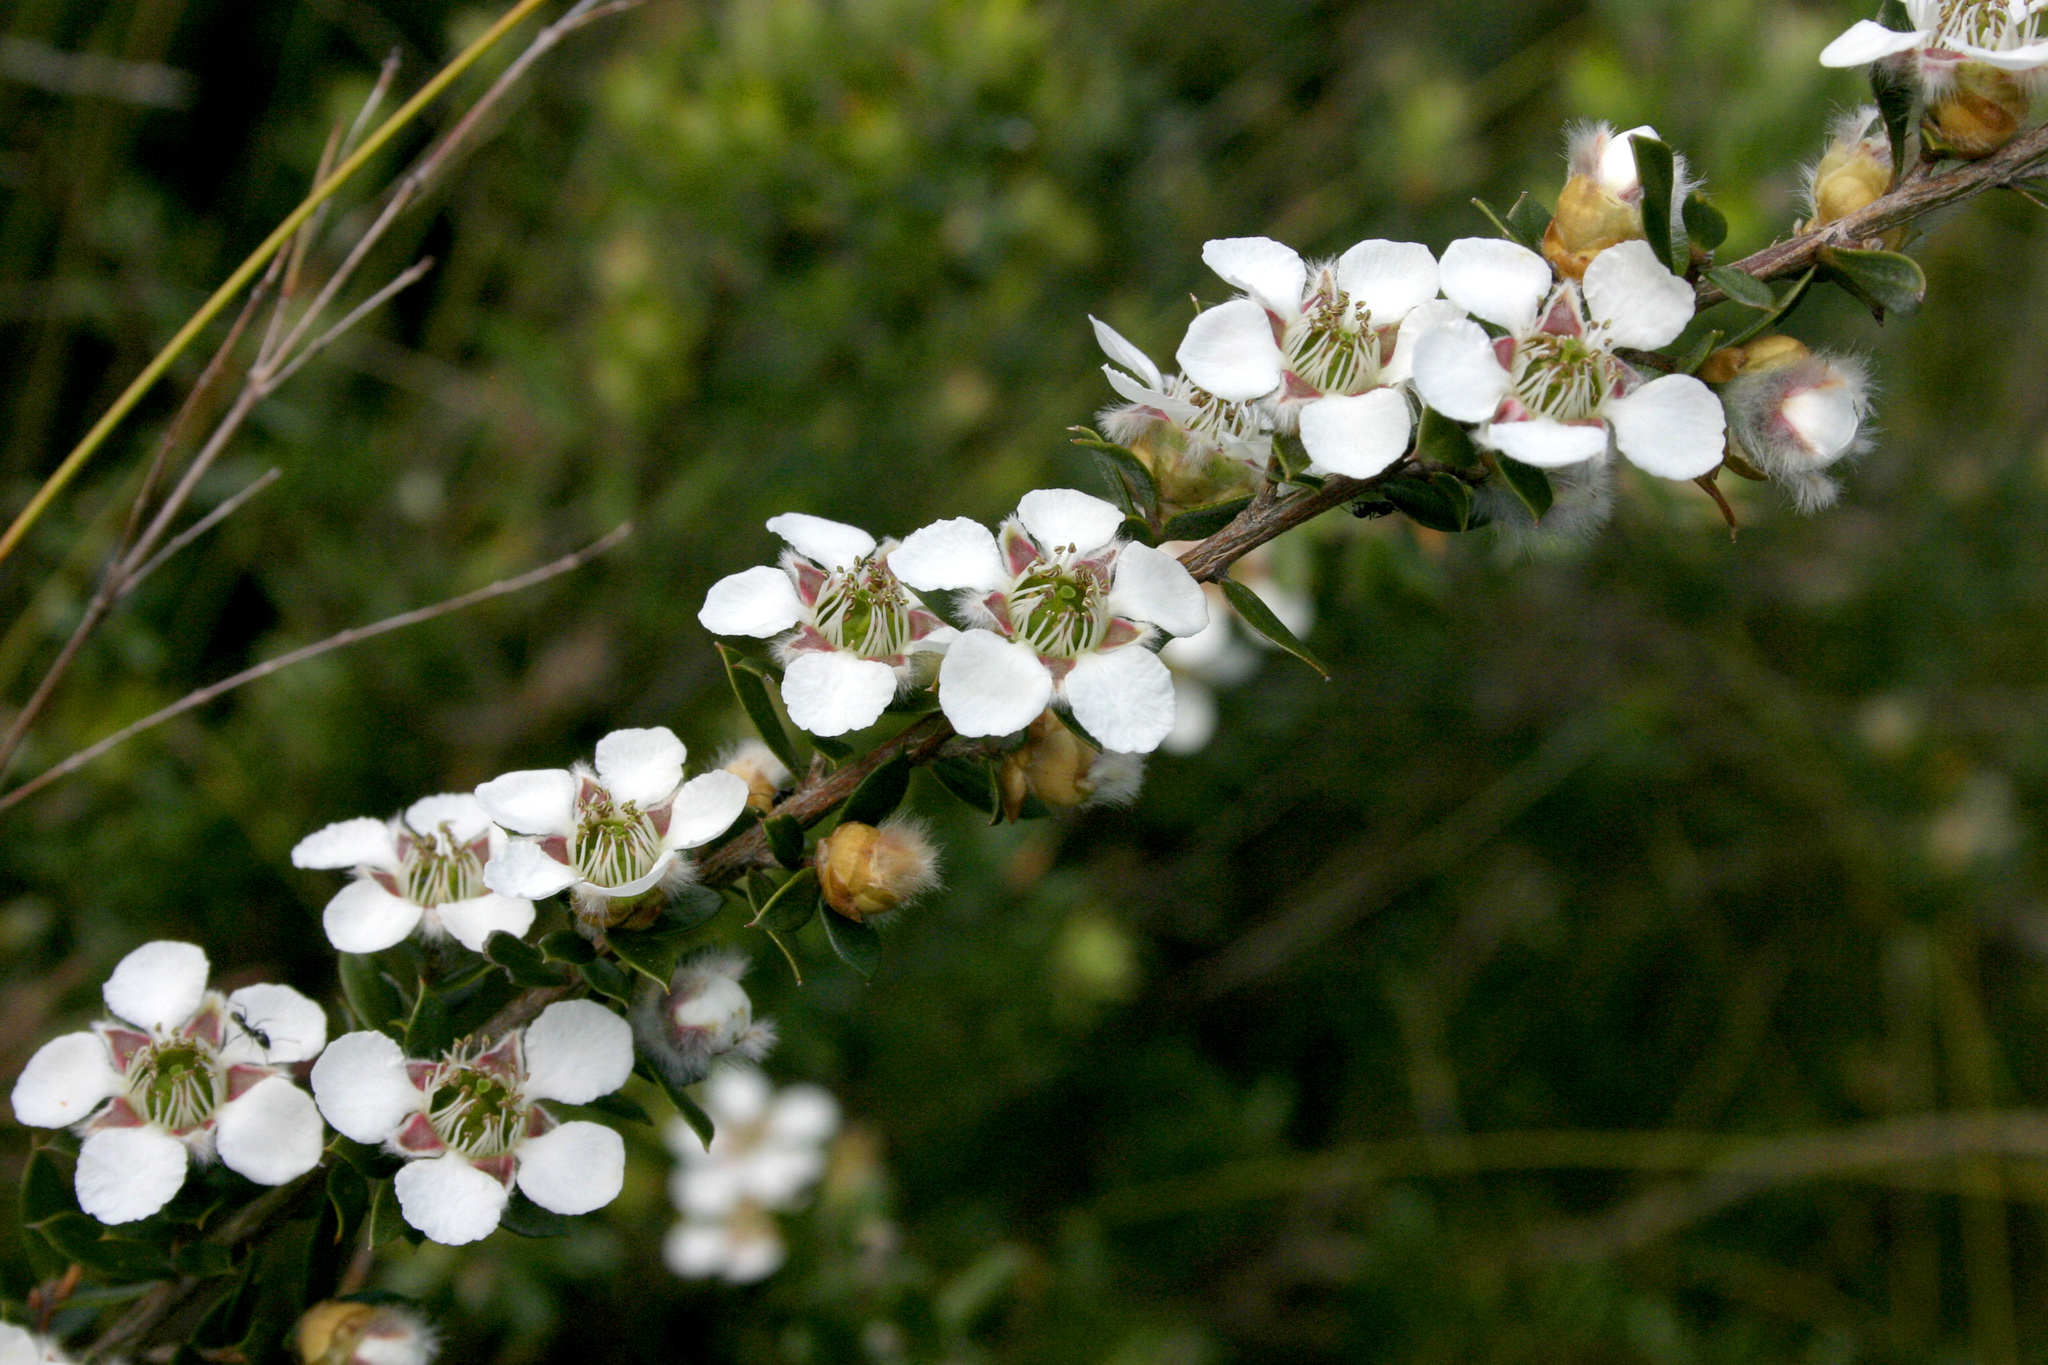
(1065,609)
(853,638)
(470,1123)
(419,872)
(181,1074)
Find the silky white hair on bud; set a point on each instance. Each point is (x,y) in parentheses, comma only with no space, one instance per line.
(749,756)
(1581,502)
(1117,779)
(703,1017)
(1790,421)
(1852,133)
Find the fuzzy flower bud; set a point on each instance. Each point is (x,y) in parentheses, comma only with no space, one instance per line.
(1064,771)
(346,1332)
(1853,173)
(1983,111)
(1793,413)
(755,764)
(867,871)
(705,1015)
(1601,204)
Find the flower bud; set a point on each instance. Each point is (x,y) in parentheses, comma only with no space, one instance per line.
(1064,771)
(1189,468)
(1853,173)
(866,871)
(1793,413)
(1979,113)
(704,1015)
(1601,204)
(756,764)
(346,1332)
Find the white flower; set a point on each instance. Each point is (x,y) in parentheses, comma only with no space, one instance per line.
(768,1151)
(181,1069)
(422,871)
(2005,34)
(1068,610)
(470,1123)
(1552,392)
(704,1015)
(1180,428)
(1320,347)
(611,833)
(19,1346)
(1222,653)
(857,639)
(1794,413)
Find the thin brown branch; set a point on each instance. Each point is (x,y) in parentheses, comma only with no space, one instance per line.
(405,280)
(197,529)
(354,635)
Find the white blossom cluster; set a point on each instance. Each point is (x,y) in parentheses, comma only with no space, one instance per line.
(769,1150)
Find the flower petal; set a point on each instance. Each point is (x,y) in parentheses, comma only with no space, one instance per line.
(1390,278)
(1492,278)
(735,1096)
(365,918)
(18,1346)
(1638,300)
(1547,444)
(1124,698)
(1426,318)
(641,766)
(362,842)
(125,1174)
(68,1078)
(829,544)
(1672,427)
(1458,374)
(958,553)
(992,686)
(1618,173)
(705,808)
(695,1251)
(295,1026)
(1271,271)
(573,1169)
(1230,351)
(1151,585)
(1357,436)
(834,691)
(533,801)
(2025,58)
(1824,418)
(270,1133)
(361,1086)
(449,1200)
(473,921)
(523,871)
(1125,354)
(805,1114)
(1066,516)
(159,985)
(576,1051)
(461,812)
(758,602)
(1865,42)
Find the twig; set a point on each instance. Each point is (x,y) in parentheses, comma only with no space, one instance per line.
(369,305)
(196,530)
(354,635)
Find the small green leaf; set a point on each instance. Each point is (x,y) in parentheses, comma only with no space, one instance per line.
(428,1033)
(1440,502)
(1440,440)
(521,960)
(1256,614)
(1528,483)
(371,996)
(1130,481)
(1199,523)
(1895,92)
(967,779)
(1743,287)
(1293,456)
(858,945)
(386,1222)
(1706,225)
(202,1260)
(106,1256)
(524,1218)
(652,951)
(1887,281)
(566,945)
(789,909)
(1080,732)
(1787,301)
(371,1163)
(1134,529)
(607,980)
(691,1112)
(752,692)
(1696,355)
(619,1107)
(1657,169)
(1528,221)
(45,1188)
(833,749)
(785,840)
(878,794)
(1892,14)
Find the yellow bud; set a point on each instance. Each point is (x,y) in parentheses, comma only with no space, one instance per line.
(1765,353)
(328,1331)
(1587,222)
(1982,114)
(1052,764)
(756,764)
(867,871)
(1849,177)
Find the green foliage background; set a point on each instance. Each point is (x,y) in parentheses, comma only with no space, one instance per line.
(1657,833)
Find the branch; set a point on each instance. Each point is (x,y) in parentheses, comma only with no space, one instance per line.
(354,635)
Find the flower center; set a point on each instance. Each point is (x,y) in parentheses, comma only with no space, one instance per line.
(1214,418)
(613,845)
(1995,24)
(1059,612)
(176,1085)
(1562,378)
(1333,347)
(440,869)
(864,610)
(476,1112)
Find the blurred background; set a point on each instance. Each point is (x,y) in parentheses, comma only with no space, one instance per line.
(1402,1021)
